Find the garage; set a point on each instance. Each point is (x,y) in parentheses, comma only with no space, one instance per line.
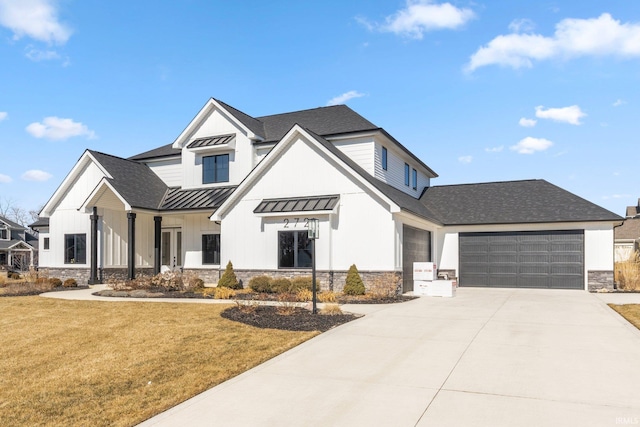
(531,259)
(416,247)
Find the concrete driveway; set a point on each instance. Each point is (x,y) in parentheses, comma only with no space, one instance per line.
(502,357)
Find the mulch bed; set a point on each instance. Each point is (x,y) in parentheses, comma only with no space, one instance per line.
(267,317)
(25,292)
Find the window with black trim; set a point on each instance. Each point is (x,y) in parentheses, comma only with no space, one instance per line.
(406,174)
(211,249)
(384,158)
(294,249)
(215,169)
(414,177)
(75,248)
(4,235)
(45,243)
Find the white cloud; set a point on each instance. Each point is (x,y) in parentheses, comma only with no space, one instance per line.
(421,16)
(494,149)
(41,55)
(3,115)
(571,115)
(341,99)
(465,159)
(617,196)
(4,179)
(37,19)
(530,145)
(56,128)
(619,102)
(602,36)
(36,175)
(521,26)
(527,123)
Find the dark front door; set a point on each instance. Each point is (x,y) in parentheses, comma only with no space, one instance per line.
(416,247)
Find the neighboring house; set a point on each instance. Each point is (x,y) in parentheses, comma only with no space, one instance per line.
(627,235)
(17,246)
(232,187)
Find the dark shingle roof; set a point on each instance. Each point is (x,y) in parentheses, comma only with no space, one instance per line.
(510,202)
(211,141)
(203,198)
(134,181)
(6,244)
(629,230)
(323,121)
(164,151)
(298,204)
(255,125)
(40,222)
(12,224)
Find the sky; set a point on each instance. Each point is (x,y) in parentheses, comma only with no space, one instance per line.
(481,91)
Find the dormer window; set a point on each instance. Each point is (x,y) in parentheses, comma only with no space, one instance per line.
(215,169)
(406,174)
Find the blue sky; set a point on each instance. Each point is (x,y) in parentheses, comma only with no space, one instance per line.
(479,90)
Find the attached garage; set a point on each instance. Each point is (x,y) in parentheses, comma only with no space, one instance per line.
(529,259)
(416,247)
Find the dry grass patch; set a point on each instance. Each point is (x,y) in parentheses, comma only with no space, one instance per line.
(627,273)
(631,312)
(118,363)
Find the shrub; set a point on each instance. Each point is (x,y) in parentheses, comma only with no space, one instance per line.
(229,279)
(13,276)
(302,282)
(331,309)
(223,293)
(195,282)
(54,282)
(70,283)
(287,304)
(627,273)
(384,286)
(247,306)
(304,295)
(169,281)
(280,285)
(327,296)
(353,283)
(261,284)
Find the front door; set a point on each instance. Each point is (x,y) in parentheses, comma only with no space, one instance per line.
(171,250)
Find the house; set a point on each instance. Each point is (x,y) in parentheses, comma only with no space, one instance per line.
(627,235)
(17,246)
(232,187)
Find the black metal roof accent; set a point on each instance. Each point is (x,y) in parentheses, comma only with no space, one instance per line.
(298,204)
(211,141)
(201,198)
(511,202)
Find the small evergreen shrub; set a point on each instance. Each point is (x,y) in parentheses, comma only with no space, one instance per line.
(70,283)
(54,282)
(302,282)
(280,285)
(229,279)
(260,284)
(353,283)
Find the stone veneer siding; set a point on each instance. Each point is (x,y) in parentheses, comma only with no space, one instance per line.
(600,279)
(328,280)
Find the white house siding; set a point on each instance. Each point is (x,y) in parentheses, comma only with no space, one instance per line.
(394,175)
(598,251)
(241,159)
(361,231)
(194,226)
(169,171)
(360,150)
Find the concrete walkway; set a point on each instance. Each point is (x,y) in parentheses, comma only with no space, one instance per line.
(501,357)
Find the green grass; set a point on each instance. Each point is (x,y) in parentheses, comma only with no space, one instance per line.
(118,363)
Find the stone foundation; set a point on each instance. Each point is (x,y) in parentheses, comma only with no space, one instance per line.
(600,279)
(329,280)
(80,274)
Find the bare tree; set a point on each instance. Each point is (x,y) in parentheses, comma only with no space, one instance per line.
(12,211)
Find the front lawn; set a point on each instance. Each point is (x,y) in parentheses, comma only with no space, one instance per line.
(631,312)
(119,363)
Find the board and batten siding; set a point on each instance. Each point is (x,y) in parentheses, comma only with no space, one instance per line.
(361,231)
(394,175)
(169,171)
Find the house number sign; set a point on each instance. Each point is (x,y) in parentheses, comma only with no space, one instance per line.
(296,222)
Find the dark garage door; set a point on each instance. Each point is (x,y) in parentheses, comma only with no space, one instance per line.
(416,247)
(536,259)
